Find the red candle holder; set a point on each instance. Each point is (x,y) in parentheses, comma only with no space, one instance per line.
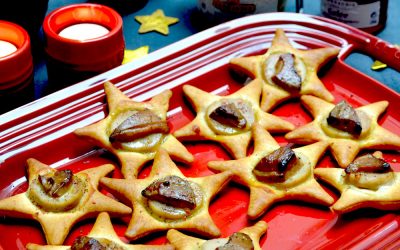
(16,68)
(72,60)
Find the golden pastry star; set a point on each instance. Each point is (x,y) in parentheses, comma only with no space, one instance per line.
(343,145)
(157,21)
(57,224)
(236,144)
(120,106)
(103,230)
(301,185)
(144,221)
(386,197)
(307,64)
(184,242)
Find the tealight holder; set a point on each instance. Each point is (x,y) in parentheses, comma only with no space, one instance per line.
(81,41)
(16,66)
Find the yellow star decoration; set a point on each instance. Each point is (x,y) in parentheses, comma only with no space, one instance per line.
(300,185)
(307,64)
(236,144)
(343,145)
(184,242)
(385,197)
(377,65)
(55,219)
(157,21)
(144,219)
(103,231)
(131,55)
(120,107)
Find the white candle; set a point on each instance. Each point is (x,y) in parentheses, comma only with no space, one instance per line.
(6,48)
(83,31)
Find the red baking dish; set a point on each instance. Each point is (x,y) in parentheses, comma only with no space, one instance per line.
(43,130)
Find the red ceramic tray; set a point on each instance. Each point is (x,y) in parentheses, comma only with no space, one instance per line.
(43,130)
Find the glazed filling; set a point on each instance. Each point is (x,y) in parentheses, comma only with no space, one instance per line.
(140,131)
(282,167)
(272,168)
(369,171)
(89,243)
(57,184)
(172,197)
(345,122)
(237,241)
(286,75)
(285,70)
(56,191)
(345,118)
(229,117)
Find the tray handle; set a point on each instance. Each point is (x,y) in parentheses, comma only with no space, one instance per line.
(381,50)
(364,42)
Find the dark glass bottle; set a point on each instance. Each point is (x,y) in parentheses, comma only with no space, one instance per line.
(368,15)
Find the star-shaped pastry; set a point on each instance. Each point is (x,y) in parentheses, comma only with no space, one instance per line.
(157,21)
(343,145)
(103,233)
(301,70)
(185,242)
(59,205)
(235,140)
(299,185)
(386,196)
(135,153)
(150,215)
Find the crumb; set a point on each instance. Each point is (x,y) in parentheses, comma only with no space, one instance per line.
(196,129)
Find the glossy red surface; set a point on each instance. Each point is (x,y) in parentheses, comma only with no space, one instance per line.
(43,130)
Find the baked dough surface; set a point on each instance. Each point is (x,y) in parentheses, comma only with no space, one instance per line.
(307,63)
(146,219)
(385,196)
(185,242)
(102,230)
(56,225)
(237,142)
(133,155)
(344,146)
(301,184)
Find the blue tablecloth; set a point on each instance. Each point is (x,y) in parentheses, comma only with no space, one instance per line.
(185,9)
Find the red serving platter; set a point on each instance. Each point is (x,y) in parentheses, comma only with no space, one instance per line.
(44,130)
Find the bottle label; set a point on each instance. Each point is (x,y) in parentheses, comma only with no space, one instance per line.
(355,14)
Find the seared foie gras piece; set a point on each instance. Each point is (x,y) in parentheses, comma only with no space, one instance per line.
(90,243)
(140,124)
(369,171)
(56,184)
(368,163)
(56,190)
(345,118)
(238,241)
(173,191)
(273,166)
(228,114)
(286,75)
